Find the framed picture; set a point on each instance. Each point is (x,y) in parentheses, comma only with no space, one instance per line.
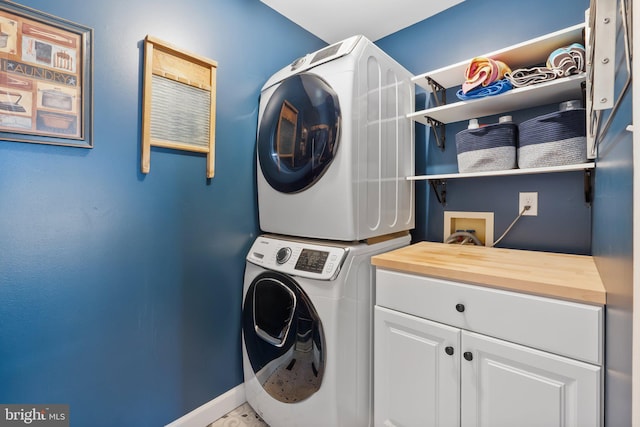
(45,78)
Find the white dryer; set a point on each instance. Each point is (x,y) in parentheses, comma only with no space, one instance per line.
(335,145)
(307,331)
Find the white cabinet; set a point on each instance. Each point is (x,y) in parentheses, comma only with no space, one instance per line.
(417,374)
(451,354)
(505,384)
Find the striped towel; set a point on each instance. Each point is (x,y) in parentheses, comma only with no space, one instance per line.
(562,62)
(568,60)
(529,76)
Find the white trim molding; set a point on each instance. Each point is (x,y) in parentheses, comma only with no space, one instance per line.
(213,410)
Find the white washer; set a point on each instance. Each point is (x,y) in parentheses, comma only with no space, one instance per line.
(307,338)
(335,145)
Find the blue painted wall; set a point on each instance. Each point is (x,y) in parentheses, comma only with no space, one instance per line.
(469,29)
(121,293)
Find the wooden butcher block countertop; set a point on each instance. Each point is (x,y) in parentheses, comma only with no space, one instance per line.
(572,277)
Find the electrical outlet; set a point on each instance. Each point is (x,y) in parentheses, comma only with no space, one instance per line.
(528,199)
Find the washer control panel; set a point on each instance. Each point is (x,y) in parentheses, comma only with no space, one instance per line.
(298,258)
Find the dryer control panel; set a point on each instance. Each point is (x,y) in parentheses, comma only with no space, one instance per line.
(311,60)
(298,258)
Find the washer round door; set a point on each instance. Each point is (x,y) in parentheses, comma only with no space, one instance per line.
(298,133)
(283,337)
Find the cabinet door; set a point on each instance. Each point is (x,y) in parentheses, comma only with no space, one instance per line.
(416,379)
(506,385)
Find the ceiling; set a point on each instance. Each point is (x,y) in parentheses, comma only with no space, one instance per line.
(335,20)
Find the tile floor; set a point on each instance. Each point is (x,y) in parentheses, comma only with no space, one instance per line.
(242,416)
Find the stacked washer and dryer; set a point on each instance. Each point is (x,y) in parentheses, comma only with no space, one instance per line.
(334,147)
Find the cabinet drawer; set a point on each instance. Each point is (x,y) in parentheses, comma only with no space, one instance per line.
(571,329)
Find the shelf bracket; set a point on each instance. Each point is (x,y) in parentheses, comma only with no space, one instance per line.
(438,129)
(588,186)
(439,92)
(440,189)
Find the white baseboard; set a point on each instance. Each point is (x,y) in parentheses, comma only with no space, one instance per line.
(213,410)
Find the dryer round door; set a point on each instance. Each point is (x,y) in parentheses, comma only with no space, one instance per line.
(298,133)
(283,338)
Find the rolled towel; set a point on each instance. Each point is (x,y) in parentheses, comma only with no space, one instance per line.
(483,71)
(578,53)
(495,88)
(562,61)
(567,60)
(529,76)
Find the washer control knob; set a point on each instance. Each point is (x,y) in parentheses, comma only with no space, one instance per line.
(283,255)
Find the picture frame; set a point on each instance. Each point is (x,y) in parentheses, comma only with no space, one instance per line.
(46,85)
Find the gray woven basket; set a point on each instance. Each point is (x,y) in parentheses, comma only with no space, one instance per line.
(489,148)
(553,139)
